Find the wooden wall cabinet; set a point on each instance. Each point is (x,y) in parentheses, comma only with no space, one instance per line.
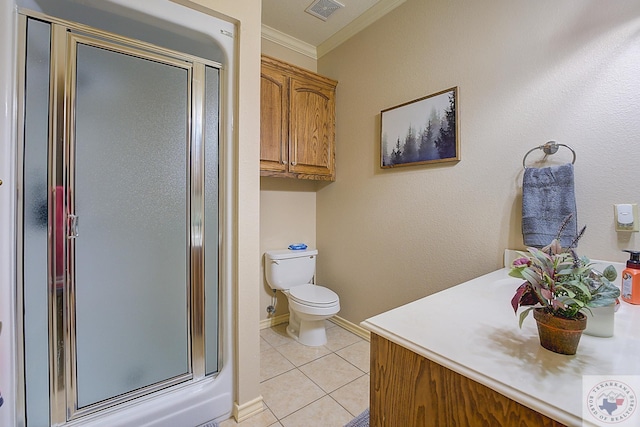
(297,122)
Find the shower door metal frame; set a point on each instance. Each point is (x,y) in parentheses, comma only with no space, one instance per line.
(65,36)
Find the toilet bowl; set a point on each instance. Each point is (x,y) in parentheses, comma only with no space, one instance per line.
(309,304)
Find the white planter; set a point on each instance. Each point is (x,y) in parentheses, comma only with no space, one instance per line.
(600,322)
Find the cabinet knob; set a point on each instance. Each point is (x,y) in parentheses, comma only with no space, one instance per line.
(293,163)
(284,162)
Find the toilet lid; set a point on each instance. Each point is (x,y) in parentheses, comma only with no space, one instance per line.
(313,295)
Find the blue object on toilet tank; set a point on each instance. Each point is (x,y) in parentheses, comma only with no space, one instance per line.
(297,246)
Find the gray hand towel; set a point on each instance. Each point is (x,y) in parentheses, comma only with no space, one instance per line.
(548,196)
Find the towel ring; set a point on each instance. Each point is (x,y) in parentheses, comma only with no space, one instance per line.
(550,147)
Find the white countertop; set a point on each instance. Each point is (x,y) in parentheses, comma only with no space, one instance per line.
(472,330)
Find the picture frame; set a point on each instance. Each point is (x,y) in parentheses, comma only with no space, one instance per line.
(422,131)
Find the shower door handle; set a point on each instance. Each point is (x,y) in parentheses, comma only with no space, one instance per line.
(73,226)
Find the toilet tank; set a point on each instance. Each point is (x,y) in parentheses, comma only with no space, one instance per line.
(286,268)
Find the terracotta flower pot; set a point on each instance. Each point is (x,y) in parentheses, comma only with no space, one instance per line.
(558,334)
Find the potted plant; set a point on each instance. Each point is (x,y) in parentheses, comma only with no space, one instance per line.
(559,285)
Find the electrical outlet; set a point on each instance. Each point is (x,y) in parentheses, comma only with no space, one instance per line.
(626,217)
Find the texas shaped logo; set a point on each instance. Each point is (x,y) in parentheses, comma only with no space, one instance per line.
(611,402)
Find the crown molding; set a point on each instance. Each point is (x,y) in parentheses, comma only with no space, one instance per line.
(289,42)
(374,13)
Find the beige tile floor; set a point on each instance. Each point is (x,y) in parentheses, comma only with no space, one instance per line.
(303,386)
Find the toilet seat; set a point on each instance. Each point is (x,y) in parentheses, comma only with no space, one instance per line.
(313,296)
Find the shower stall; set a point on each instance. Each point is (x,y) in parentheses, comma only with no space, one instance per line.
(123,290)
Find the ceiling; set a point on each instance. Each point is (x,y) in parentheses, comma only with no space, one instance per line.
(285,22)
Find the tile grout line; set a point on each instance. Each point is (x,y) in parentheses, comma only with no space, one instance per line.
(326,393)
(349,362)
(341,405)
(295,367)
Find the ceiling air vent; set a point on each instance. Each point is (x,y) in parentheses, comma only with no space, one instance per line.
(323,8)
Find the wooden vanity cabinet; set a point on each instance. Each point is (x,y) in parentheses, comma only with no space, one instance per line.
(410,390)
(297,122)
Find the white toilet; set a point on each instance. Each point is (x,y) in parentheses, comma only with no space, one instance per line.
(291,271)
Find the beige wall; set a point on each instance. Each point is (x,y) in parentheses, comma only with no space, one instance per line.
(287,206)
(287,215)
(246,274)
(527,72)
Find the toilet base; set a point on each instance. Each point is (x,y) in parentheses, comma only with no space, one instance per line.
(311,333)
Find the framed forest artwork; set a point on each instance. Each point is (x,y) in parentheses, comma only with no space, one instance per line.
(420,132)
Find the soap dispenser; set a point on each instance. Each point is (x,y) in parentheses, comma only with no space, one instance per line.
(631,279)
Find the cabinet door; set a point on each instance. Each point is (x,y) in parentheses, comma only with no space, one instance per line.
(312,127)
(274,137)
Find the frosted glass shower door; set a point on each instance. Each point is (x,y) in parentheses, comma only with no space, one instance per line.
(129,191)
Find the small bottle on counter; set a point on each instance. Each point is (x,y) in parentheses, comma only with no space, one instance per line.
(631,279)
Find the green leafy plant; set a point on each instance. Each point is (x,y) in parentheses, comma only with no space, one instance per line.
(561,282)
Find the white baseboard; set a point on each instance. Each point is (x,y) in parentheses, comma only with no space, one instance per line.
(351,327)
(274,321)
(248,409)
